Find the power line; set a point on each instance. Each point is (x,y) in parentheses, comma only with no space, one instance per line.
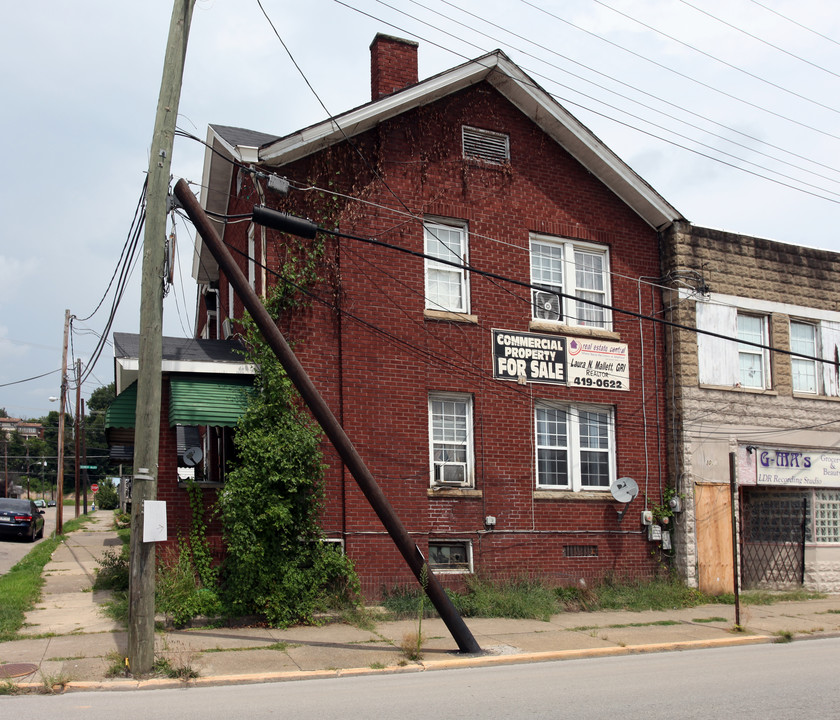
(756,37)
(629,125)
(29,379)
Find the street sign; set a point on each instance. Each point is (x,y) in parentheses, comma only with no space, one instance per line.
(87,467)
(94,488)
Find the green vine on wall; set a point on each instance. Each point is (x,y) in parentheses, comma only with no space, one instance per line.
(199,547)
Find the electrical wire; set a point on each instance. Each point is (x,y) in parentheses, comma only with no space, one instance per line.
(761,40)
(613,119)
(729,129)
(29,379)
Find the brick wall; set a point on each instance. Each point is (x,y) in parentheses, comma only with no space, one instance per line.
(377,363)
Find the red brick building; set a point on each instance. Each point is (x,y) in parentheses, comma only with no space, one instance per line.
(495,410)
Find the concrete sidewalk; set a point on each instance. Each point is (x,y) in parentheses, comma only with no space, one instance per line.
(73,645)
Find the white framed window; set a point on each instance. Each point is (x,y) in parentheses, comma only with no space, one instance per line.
(724,359)
(575,446)
(753,362)
(803,339)
(450,440)
(579,270)
(447,285)
(450,556)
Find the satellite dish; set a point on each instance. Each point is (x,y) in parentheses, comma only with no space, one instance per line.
(624,490)
(193,455)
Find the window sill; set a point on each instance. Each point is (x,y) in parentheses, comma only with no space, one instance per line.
(450,316)
(814,396)
(448,492)
(574,330)
(735,388)
(182,484)
(571,495)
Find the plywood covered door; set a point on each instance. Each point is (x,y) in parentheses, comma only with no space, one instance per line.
(713,528)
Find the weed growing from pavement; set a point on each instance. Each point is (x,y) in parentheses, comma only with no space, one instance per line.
(767,597)
(117,665)
(7,687)
(175,661)
(164,667)
(54,684)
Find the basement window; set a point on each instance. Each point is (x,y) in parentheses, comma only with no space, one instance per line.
(450,556)
(485,145)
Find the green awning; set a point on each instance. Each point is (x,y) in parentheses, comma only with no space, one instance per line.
(218,401)
(120,414)
(215,400)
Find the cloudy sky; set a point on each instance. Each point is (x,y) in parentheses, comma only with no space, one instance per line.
(728,108)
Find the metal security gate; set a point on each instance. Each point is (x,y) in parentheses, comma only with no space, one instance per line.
(773,530)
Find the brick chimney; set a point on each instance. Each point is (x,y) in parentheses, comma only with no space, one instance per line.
(393,65)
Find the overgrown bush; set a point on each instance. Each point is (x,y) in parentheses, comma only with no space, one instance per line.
(276,563)
(107,498)
(112,573)
(179,593)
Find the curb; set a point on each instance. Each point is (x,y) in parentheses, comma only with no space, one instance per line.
(434,665)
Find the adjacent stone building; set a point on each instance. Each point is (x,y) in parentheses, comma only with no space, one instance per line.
(776,409)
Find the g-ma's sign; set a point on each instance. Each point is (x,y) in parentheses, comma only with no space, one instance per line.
(790,468)
(531,357)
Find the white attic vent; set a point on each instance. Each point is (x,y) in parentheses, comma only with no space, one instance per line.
(485,145)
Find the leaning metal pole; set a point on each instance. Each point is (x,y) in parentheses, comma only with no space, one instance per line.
(328,422)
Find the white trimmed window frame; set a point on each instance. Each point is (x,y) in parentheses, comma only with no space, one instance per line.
(804,374)
(451,455)
(447,286)
(561,265)
(718,357)
(576,448)
(753,362)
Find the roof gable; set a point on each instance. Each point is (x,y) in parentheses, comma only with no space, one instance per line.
(521,91)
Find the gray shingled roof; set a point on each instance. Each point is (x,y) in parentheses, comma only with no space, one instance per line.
(241,136)
(127,345)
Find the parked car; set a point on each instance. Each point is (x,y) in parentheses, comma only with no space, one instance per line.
(51,503)
(41,504)
(21,518)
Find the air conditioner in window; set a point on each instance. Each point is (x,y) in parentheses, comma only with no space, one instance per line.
(546,305)
(451,475)
(227,328)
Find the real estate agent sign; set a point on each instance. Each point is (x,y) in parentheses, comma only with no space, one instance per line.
(598,364)
(530,357)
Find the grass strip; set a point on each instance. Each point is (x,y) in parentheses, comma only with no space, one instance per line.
(20,588)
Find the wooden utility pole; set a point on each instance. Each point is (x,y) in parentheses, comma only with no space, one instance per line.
(84,462)
(141,610)
(77,426)
(59,501)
